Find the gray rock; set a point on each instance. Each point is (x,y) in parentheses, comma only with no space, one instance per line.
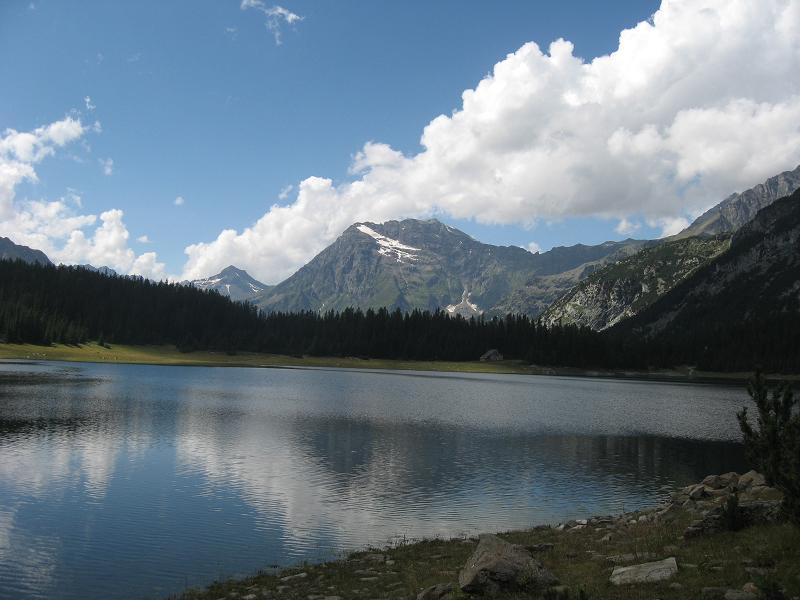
(440,591)
(750,479)
(645,572)
(497,566)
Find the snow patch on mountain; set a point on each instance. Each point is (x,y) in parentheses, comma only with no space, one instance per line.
(389,247)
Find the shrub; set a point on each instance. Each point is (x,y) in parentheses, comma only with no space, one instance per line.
(774,445)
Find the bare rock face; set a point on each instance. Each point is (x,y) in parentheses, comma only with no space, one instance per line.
(497,566)
(645,572)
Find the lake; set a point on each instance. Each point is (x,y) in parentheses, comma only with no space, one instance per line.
(127,481)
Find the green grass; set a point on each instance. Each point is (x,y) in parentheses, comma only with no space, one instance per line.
(169,355)
(578,559)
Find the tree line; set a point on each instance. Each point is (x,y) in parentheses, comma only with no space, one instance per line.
(71,305)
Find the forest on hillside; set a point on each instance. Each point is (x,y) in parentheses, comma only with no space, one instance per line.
(45,304)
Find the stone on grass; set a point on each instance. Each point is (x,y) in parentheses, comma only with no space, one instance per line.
(440,591)
(497,566)
(645,572)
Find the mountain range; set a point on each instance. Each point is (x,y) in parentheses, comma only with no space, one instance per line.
(425,264)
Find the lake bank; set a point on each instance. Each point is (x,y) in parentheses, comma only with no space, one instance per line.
(170,356)
(586,556)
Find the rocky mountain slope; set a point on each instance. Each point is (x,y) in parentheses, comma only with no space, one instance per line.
(738,209)
(232,282)
(11,251)
(620,290)
(756,280)
(427,265)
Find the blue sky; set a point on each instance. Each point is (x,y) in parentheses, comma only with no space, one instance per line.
(198,100)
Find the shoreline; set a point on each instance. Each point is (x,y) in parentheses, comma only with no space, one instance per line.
(600,556)
(170,356)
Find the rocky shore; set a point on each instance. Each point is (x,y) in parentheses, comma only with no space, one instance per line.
(722,538)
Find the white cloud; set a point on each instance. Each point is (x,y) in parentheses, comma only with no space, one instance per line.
(107,164)
(669,225)
(87,101)
(143,239)
(699,101)
(626,227)
(53,226)
(277,17)
(179,201)
(534,248)
(285,191)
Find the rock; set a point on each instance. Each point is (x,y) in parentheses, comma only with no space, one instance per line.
(713,593)
(439,591)
(539,547)
(697,491)
(750,587)
(605,538)
(750,479)
(294,577)
(498,566)
(750,513)
(645,572)
(671,549)
(675,586)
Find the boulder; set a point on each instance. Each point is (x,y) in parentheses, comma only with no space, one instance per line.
(440,591)
(497,566)
(645,572)
(750,479)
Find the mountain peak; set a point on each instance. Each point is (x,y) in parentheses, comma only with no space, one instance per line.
(233,282)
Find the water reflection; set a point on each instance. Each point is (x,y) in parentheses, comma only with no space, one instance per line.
(130,481)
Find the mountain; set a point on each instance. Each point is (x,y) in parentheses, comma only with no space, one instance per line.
(108,271)
(620,290)
(232,282)
(11,251)
(738,209)
(755,283)
(427,265)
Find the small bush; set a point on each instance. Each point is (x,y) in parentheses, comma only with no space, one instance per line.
(774,445)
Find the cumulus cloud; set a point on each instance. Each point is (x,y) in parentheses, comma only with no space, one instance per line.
(54,226)
(143,239)
(179,201)
(534,248)
(699,101)
(277,17)
(87,101)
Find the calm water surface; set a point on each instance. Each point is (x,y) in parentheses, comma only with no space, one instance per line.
(134,481)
